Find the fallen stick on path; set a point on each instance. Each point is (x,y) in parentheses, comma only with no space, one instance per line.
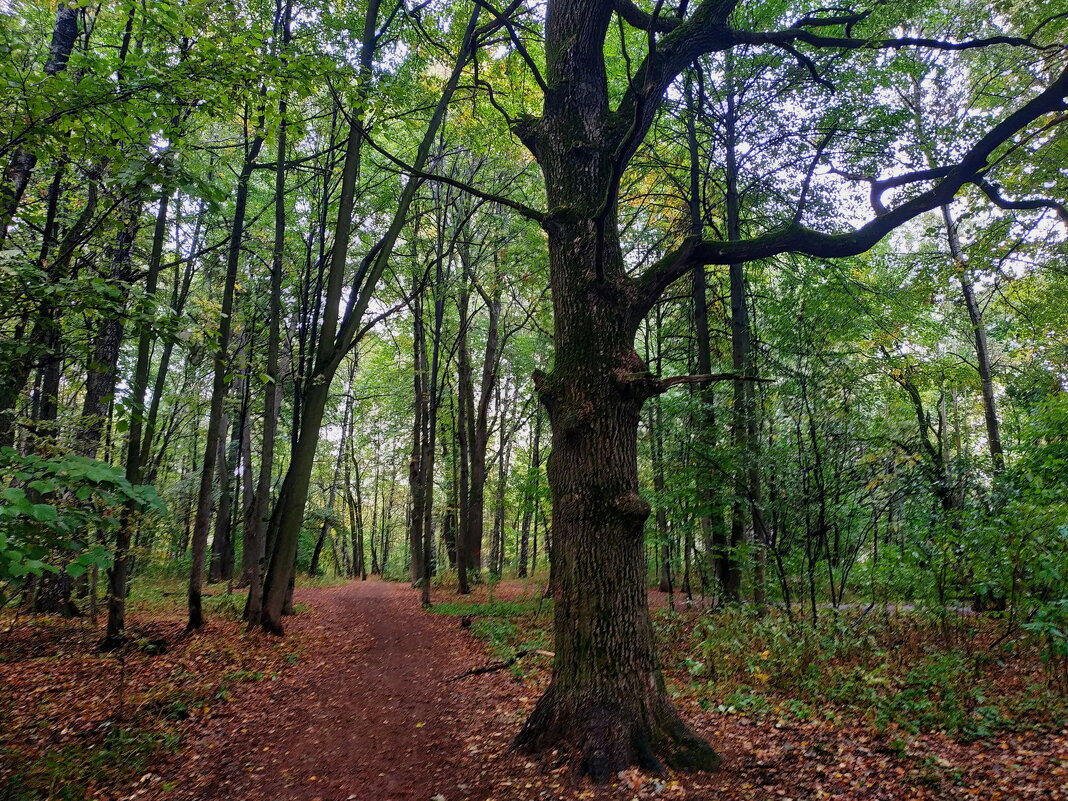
(502,665)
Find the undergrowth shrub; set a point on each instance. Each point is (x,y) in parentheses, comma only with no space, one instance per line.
(908,672)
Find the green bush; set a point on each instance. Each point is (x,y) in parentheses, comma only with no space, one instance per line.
(53,512)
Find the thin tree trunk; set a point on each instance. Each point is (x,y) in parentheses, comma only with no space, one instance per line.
(118,572)
(417,476)
(464,427)
(335,341)
(20,167)
(982,353)
(202,521)
(526,554)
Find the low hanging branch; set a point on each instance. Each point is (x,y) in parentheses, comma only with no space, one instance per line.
(495,666)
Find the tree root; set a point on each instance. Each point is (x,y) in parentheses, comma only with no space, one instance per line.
(608,738)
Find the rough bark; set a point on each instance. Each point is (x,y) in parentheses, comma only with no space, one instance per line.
(606,698)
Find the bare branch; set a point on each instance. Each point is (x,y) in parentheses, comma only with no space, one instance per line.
(801,201)
(791,36)
(524,210)
(504,20)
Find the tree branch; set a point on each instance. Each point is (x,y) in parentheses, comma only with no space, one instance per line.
(710,378)
(791,36)
(524,210)
(795,238)
(994,193)
(642,20)
(504,20)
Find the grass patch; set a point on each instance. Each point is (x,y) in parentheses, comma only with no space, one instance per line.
(492,608)
(506,626)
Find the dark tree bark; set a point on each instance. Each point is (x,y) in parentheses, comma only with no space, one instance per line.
(712,523)
(477,417)
(134,469)
(102,371)
(338,336)
(418,478)
(746,507)
(504,458)
(656,454)
(219,386)
(348,425)
(464,427)
(255,529)
(607,697)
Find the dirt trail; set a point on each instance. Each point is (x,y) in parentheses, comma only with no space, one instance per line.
(367,712)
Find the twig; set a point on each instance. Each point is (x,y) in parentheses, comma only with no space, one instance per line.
(492,668)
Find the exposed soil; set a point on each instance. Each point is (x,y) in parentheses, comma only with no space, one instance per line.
(369,711)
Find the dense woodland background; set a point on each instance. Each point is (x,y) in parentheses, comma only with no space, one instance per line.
(242,242)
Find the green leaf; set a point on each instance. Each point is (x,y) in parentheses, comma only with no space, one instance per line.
(44,513)
(75,569)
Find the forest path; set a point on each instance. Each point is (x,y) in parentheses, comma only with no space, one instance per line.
(368,711)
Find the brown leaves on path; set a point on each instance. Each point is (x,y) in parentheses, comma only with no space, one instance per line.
(367,713)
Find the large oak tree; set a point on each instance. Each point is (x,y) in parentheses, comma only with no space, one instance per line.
(607,697)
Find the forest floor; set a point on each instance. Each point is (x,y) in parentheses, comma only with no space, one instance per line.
(365,700)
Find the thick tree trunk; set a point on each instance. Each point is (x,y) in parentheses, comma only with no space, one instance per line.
(607,697)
